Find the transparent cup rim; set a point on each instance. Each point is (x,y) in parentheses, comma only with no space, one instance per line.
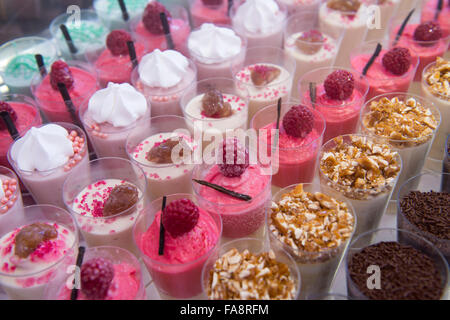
(69,251)
(83,12)
(427,86)
(12,175)
(16,98)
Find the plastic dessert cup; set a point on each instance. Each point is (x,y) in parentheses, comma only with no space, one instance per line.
(18,64)
(297,157)
(11,206)
(88,34)
(177,273)
(162,178)
(267,32)
(27,116)
(46,186)
(352,24)
(86,192)
(262,95)
(425,183)
(341,116)
(328,296)
(179,29)
(297,6)
(370,203)
(308,55)
(413,151)
(127,283)
(429,11)
(240,218)
(209,127)
(203,13)
(402,237)
(446,167)
(50,101)
(317,269)
(27,278)
(387,9)
(380,79)
(165,101)
(441,100)
(110,14)
(255,247)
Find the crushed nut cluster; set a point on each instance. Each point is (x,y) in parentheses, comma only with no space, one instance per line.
(438,78)
(311,223)
(359,167)
(246,276)
(400,121)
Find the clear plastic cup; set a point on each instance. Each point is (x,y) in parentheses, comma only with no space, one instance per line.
(204,13)
(395,235)
(178,280)
(341,116)
(81,195)
(317,269)
(328,296)
(110,14)
(446,167)
(29,284)
(254,246)
(11,206)
(46,187)
(294,7)
(126,266)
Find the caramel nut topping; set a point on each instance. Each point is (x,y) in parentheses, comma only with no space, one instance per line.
(344,5)
(262,74)
(438,78)
(162,152)
(310,42)
(31,236)
(214,106)
(121,198)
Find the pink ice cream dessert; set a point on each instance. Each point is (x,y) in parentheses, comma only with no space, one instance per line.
(429,12)
(213,11)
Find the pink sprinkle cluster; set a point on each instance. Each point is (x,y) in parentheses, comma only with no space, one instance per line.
(9,188)
(79,150)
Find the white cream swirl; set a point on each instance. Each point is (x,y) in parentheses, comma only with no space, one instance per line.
(163,69)
(117,104)
(259,16)
(42,149)
(212,44)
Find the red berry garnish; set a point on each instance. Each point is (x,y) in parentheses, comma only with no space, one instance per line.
(116,42)
(428,32)
(4,106)
(339,85)
(298,121)
(96,277)
(212,2)
(397,60)
(60,72)
(235,158)
(151,18)
(180,217)
(262,74)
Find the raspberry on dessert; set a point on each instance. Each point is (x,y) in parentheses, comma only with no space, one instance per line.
(31,236)
(96,277)
(180,217)
(310,42)
(212,2)
(344,5)
(151,18)
(213,105)
(298,121)
(262,74)
(116,42)
(60,72)
(121,198)
(339,85)
(162,152)
(235,158)
(397,60)
(4,106)
(428,31)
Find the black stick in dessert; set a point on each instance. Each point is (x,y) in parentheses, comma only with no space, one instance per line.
(74,293)
(10,126)
(69,103)
(166,28)
(123,8)
(231,193)
(230,5)
(402,27)
(132,53)
(313,94)
(162,231)
(68,39)
(439,7)
(372,59)
(40,64)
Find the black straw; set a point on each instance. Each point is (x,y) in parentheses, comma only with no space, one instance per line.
(402,27)
(132,53)
(74,294)
(69,103)
(439,8)
(68,39)
(123,8)
(312,94)
(230,5)
(161,228)
(41,65)
(10,126)
(372,59)
(166,28)
(231,193)
(278,113)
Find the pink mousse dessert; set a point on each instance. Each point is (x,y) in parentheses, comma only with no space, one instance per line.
(163,77)
(213,11)
(299,141)
(149,29)
(241,218)
(191,235)
(111,114)
(429,8)
(24,113)
(79,81)
(114,64)
(392,71)
(339,96)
